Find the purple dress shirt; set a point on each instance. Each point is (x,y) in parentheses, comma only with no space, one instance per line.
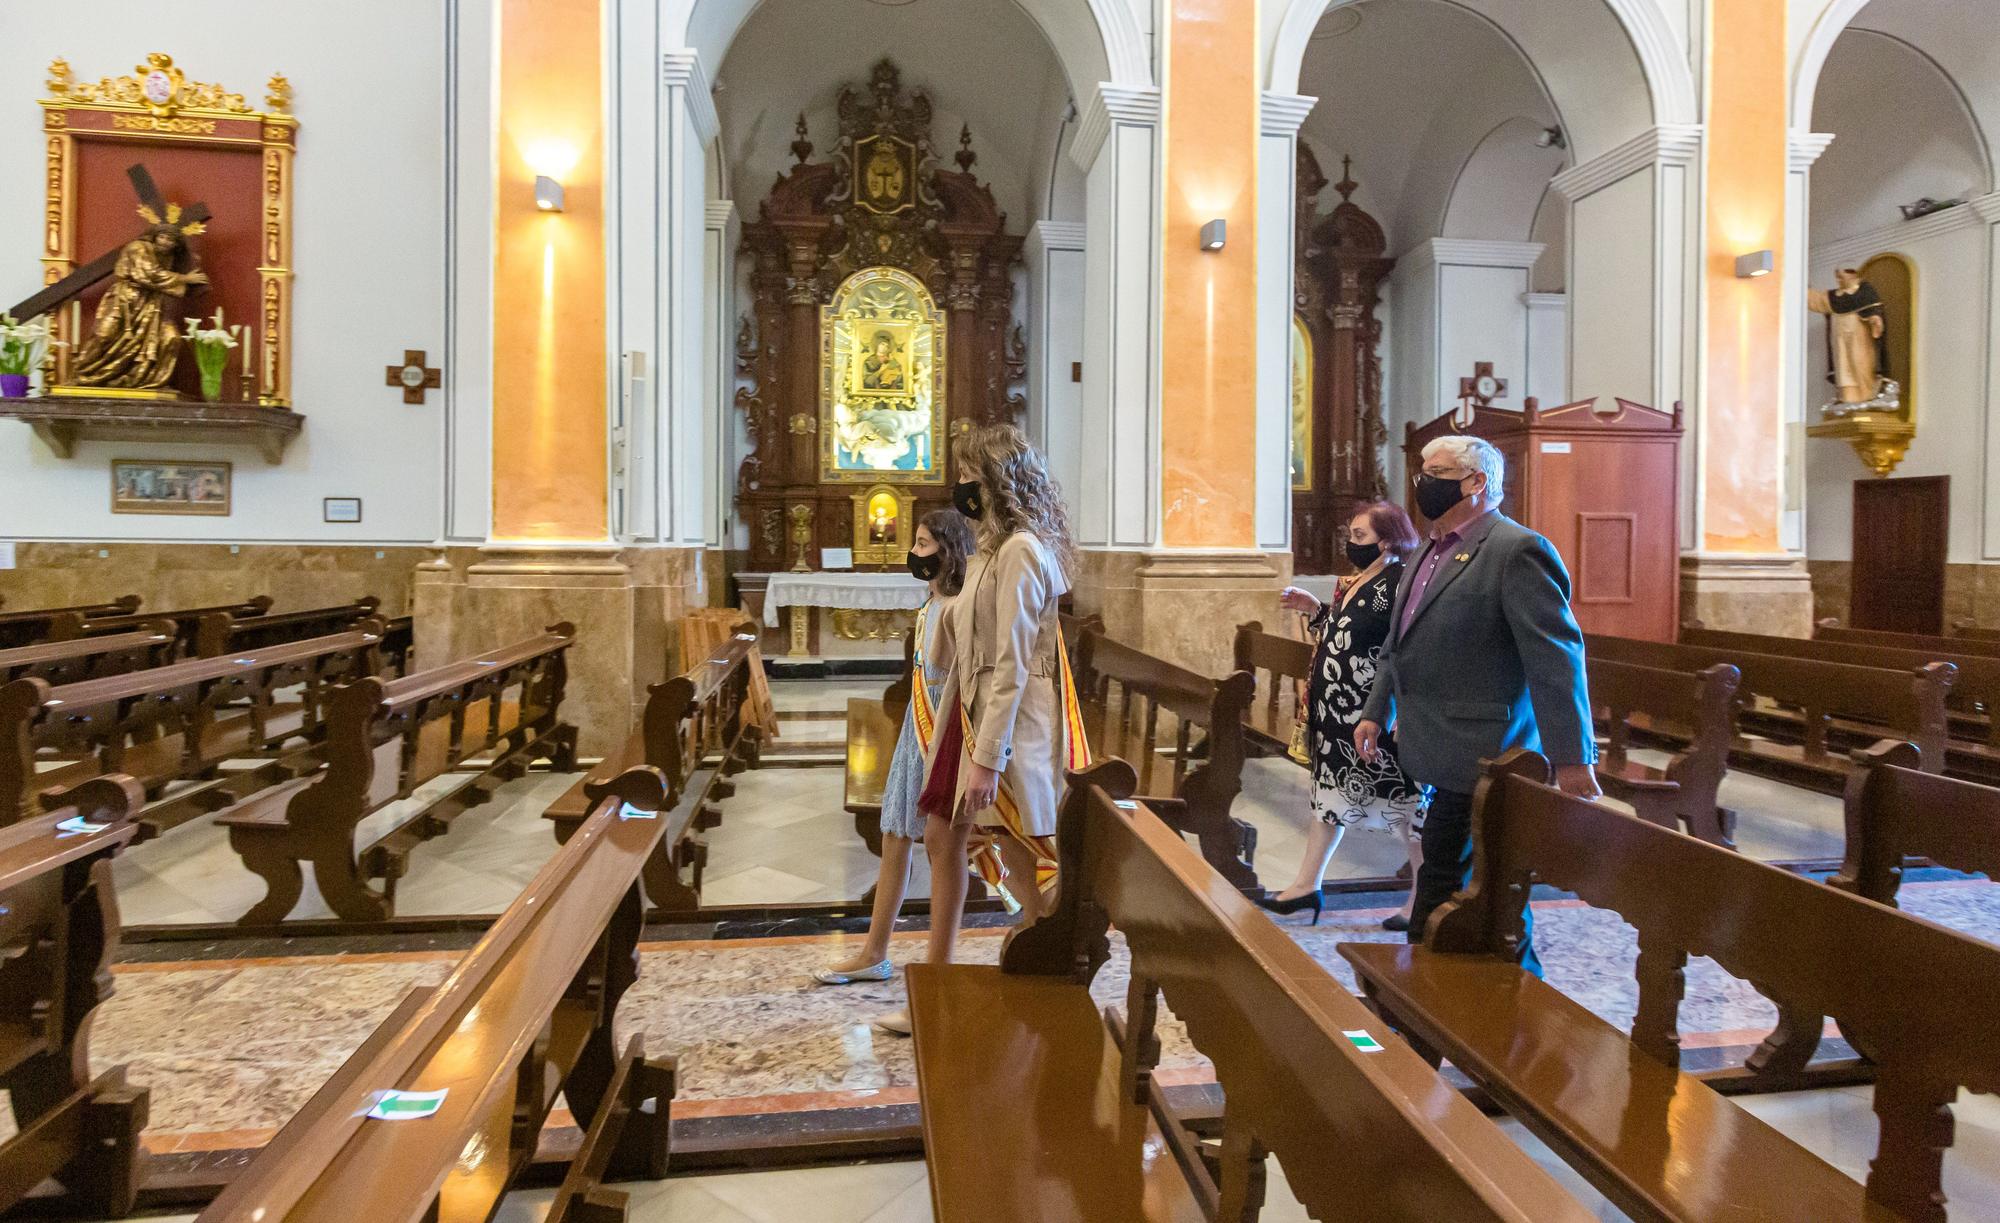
(1426,570)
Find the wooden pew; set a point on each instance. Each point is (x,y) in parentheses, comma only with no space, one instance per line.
(1909,704)
(1017,1069)
(219,633)
(173,723)
(187,622)
(1895,811)
(1123,692)
(1973,747)
(1966,643)
(1659,1142)
(29,625)
(1972,632)
(68,662)
(525,1016)
(384,740)
(1698,709)
(697,731)
(58,938)
(873,727)
(1279,665)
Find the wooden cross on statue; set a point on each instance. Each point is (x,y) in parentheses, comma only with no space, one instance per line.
(189,218)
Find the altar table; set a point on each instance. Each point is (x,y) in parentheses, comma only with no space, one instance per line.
(865,594)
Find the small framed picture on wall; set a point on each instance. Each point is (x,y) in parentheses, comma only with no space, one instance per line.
(340,509)
(156,486)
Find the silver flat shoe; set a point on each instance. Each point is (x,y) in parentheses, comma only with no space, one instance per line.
(874,972)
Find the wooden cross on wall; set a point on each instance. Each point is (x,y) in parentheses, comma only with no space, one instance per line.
(97,269)
(414,376)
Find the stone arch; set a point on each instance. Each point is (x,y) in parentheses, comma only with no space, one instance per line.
(1595,69)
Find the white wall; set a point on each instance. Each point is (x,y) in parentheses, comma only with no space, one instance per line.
(368,249)
(1459,302)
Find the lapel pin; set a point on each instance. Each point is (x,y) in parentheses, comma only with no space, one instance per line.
(1463,556)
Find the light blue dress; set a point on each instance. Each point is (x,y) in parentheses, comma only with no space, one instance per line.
(905,783)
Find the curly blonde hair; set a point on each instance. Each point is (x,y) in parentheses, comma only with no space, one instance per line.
(1015,485)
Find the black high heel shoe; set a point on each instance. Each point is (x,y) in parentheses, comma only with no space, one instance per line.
(1396,922)
(1314,900)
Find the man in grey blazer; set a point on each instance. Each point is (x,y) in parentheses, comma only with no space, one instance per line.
(1483,655)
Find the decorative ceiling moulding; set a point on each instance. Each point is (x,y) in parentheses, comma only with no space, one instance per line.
(1802,149)
(1984,210)
(1112,105)
(1469,252)
(1677,144)
(1282,113)
(683,71)
(1057,235)
(721,213)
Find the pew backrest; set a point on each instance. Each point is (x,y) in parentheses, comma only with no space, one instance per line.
(1279,665)
(66,662)
(1910,702)
(219,633)
(29,625)
(1928,642)
(1895,811)
(187,621)
(1124,690)
(523,1016)
(1280,1030)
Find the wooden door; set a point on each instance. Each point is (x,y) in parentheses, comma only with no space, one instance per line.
(1900,531)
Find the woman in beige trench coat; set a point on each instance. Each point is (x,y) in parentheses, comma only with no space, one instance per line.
(992,787)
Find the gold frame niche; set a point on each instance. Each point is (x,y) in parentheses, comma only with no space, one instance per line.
(182,111)
(846,306)
(867,552)
(1881,439)
(1302,406)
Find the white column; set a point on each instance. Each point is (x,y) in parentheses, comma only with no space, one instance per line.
(1460,301)
(1548,352)
(1634,281)
(1802,149)
(632,198)
(719,363)
(1989,213)
(1055,256)
(688,431)
(1117,500)
(473,45)
(1277,197)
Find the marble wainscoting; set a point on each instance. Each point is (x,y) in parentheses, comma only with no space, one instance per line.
(626,604)
(1971,593)
(168,576)
(1181,606)
(1748,594)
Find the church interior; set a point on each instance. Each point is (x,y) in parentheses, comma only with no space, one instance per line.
(529,835)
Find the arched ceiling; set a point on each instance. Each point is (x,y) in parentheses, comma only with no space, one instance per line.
(1411,90)
(1901,129)
(984,63)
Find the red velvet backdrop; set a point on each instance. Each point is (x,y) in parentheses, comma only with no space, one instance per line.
(228,180)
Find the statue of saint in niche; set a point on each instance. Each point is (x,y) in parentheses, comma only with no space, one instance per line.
(1857,345)
(135,340)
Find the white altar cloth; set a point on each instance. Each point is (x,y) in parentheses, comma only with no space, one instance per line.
(863,591)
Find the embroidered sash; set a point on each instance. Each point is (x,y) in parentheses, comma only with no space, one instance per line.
(986,862)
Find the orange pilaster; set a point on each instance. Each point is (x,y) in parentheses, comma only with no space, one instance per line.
(1208,328)
(1742,484)
(548,276)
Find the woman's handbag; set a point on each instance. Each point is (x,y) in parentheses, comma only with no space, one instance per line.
(1299,751)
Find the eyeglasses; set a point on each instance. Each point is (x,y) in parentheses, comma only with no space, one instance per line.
(1447,474)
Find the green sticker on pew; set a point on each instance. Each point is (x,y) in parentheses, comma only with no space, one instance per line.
(393,1105)
(1362,1041)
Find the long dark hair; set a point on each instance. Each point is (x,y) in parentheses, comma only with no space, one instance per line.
(1391,525)
(953,533)
(1019,494)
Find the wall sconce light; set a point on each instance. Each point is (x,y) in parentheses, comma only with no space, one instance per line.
(1754,264)
(1551,138)
(1214,234)
(548,194)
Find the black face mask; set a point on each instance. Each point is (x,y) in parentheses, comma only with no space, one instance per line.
(926,568)
(1362,555)
(1436,495)
(965,498)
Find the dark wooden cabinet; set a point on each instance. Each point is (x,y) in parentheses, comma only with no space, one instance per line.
(1604,488)
(1901,532)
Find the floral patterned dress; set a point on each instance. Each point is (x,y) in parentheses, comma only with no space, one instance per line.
(1347,789)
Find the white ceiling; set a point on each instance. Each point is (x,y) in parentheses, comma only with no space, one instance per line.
(983,62)
(1412,91)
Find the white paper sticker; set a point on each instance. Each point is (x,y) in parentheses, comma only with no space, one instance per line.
(393,1105)
(1555,447)
(1125,804)
(629,812)
(1361,1040)
(76,825)
(6,554)
(836,558)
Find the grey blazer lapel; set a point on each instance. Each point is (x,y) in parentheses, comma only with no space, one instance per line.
(1452,565)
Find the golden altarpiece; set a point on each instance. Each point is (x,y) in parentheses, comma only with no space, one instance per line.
(1337,429)
(882,326)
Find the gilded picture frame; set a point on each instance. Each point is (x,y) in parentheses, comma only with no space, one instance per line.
(874,426)
(202,488)
(884,525)
(1302,407)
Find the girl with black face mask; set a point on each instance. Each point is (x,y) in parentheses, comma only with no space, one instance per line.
(1349,634)
(944,543)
